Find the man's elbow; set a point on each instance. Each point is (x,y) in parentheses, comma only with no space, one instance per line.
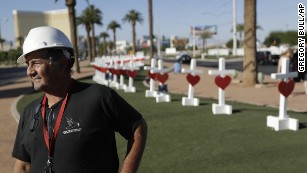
(22,167)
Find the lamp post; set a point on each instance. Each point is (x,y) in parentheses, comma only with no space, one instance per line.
(234,28)
(194,42)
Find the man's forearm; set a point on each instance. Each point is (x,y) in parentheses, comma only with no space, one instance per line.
(136,146)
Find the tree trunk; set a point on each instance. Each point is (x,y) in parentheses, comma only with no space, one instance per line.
(93,41)
(150,28)
(73,30)
(249,63)
(203,45)
(104,46)
(133,38)
(114,38)
(89,44)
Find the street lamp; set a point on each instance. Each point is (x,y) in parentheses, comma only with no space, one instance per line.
(234,28)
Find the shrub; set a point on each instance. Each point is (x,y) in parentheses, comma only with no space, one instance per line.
(13,54)
(3,58)
(10,57)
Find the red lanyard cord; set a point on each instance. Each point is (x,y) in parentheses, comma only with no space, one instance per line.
(50,143)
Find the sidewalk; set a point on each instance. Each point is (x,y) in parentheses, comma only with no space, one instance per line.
(267,95)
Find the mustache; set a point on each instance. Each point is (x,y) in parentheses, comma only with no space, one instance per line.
(35,77)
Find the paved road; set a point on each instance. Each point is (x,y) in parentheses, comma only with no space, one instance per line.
(233,64)
(10,74)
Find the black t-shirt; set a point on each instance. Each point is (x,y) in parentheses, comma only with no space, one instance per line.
(86,138)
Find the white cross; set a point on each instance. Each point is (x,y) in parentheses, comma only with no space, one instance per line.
(221,72)
(131,67)
(160,69)
(162,97)
(288,123)
(191,100)
(284,75)
(151,92)
(121,66)
(112,64)
(100,77)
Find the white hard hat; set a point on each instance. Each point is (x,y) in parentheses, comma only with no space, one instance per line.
(44,37)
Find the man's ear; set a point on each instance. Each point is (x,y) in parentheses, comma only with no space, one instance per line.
(71,62)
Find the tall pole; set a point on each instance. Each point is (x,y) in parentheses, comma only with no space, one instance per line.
(72,22)
(0,29)
(158,39)
(194,42)
(150,28)
(1,37)
(234,28)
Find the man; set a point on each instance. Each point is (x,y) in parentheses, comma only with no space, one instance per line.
(71,128)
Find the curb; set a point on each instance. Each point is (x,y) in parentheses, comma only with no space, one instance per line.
(14,111)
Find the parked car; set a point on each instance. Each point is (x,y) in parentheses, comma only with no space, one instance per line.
(274,59)
(263,57)
(184,59)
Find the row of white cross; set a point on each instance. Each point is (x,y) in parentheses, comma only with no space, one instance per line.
(277,123)
(128,64)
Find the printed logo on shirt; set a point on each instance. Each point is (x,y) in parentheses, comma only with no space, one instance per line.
(72,126)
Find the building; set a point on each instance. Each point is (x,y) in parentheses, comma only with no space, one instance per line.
(26,20)
(122,46)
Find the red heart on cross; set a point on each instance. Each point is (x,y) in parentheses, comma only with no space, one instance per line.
(114,71)
(193,80)
(103,70)
(152,75)
(132,74)
(95,67)
(286,88)
(122,72)
(222,82)
(162,77)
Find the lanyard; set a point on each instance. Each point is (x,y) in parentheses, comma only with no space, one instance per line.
(51,142)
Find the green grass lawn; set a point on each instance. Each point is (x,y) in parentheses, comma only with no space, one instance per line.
(193,140)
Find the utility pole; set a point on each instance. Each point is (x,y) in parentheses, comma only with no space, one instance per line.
(158,39)
(151,50)
(234,28)
(194,42)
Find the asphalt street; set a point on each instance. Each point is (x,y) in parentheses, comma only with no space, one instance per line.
(233,64)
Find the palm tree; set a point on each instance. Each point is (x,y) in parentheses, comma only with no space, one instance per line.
(113,25)
(204,36)
(20,41)
(150,28)
(104,35)
(96,18)
(249,62)
(73,29)
(1,42)
(133,17)
(240,30)
(85,19)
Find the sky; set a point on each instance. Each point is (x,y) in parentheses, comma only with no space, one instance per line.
(171,17)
